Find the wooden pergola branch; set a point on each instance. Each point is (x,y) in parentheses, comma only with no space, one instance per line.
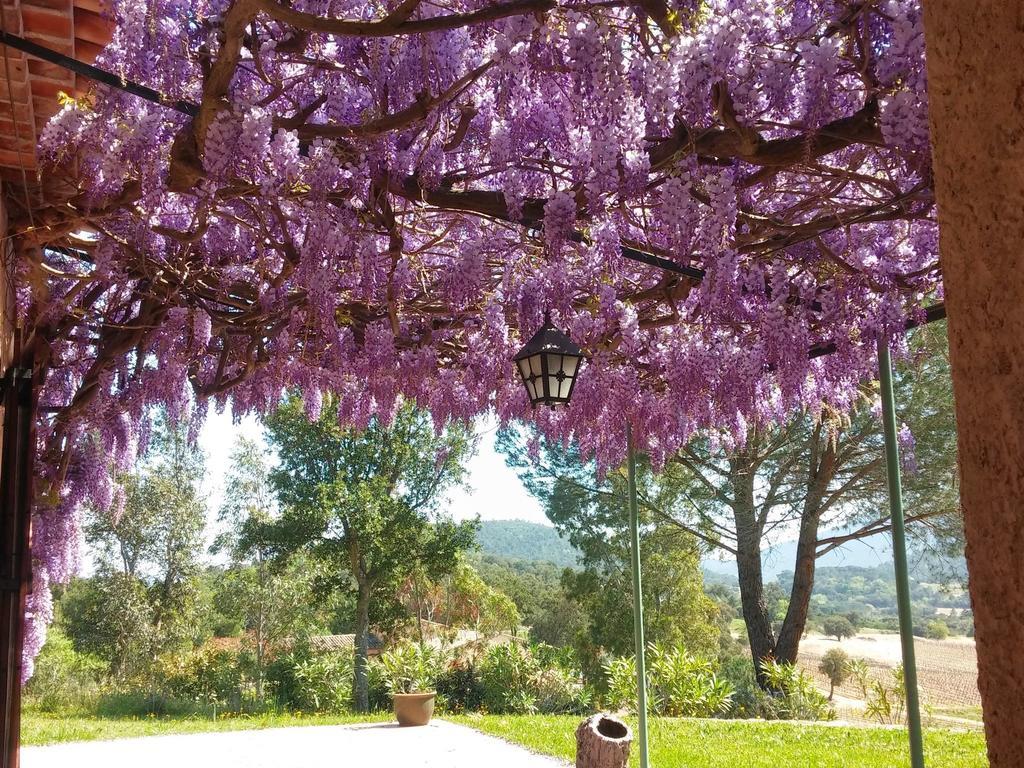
(729,143)
(418,110)
(399,23)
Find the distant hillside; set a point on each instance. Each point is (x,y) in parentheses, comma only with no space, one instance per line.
(870,592)
(519,540)
(867,553)
(780,558)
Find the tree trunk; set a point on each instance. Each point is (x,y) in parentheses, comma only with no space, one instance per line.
(788,645)
(361,687)
(976,89)
(821,471)
(261,656)
(602,741)
(419,604)
(748,567)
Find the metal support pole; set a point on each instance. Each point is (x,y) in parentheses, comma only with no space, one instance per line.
(638,603)
(899,547)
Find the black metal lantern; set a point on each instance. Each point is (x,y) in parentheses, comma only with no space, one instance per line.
(548,364)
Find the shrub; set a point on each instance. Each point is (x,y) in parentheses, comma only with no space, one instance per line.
(838,627)
(621,675)
(411,667)
(835,665)
(861,674)
(507,675)
(549,656)
(204,676)
(679,684)
(64,678)
(684,685)
(738,671)
(936,630)
(793,696)
(325,682)
(559,691)
(459,689)
(886,703)
(313,683)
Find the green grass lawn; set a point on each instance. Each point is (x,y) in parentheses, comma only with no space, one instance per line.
(741,744)
(43,728)
(674,743)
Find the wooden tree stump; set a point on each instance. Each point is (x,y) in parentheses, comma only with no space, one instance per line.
(602,741)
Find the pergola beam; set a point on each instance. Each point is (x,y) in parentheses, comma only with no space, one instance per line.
(95,73)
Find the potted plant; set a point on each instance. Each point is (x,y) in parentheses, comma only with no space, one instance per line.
(409,671)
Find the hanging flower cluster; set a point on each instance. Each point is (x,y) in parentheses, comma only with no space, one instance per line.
(381,200)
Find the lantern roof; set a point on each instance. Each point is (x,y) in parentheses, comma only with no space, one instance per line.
(549,339)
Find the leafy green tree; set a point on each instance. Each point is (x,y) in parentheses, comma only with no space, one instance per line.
(272,598)
(146,596)
(838,627)
(460,599)
(936,629)
(110,617)
(677,611)
(364,503)
(835,665)
(172,477)
(487,610)
(552,615)
(819,472)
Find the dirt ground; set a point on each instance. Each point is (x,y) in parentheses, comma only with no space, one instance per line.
(947,673)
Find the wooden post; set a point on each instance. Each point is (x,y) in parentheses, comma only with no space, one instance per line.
(17,409)
(602,741)
(15,558)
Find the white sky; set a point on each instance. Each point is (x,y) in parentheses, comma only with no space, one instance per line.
(494,492)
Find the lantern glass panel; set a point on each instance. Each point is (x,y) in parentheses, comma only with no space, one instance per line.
(535,365)
(569,363)
(554,363)
(524,368)
(563,390)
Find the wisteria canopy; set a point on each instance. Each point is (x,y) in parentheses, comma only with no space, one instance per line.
(381,200)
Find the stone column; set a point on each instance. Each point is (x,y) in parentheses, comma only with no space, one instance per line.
(975,54)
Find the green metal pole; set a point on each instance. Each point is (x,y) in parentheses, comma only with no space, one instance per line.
(638,603)
(899,546)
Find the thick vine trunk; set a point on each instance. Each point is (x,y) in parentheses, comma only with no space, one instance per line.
(361,687)
(976,96)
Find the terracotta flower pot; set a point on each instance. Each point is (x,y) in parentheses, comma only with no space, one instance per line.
(414,708)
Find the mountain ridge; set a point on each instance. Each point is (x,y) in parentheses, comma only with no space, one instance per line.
(523,540)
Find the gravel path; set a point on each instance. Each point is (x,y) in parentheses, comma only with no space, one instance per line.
(381,745)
